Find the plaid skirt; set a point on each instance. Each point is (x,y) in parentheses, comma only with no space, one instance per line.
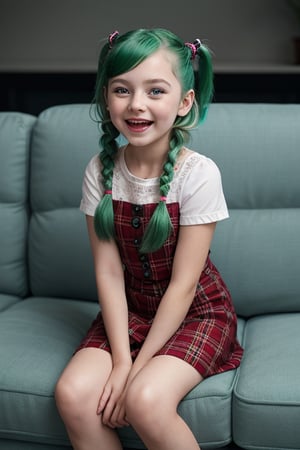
(206,338)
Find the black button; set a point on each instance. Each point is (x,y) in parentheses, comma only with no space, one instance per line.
(146,265)
(136,222)
(136,242)
(147,273)
(137,209)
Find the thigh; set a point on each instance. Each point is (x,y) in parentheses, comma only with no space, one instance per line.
(165,379)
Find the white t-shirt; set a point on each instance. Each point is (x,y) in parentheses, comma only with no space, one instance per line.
(196,186)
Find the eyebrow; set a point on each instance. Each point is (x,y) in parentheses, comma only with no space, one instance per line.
(151,81)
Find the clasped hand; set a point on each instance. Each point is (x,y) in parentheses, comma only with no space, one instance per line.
(112,401)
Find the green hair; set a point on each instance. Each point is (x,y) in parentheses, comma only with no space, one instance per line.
(122,55)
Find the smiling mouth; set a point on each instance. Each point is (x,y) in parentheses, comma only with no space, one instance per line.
(138,125)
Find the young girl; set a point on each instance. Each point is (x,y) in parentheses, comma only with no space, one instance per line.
(167,319)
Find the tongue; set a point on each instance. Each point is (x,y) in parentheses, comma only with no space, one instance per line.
(139,126)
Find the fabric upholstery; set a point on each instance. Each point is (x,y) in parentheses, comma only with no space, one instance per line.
(267,395)
(15,133)
(60,261)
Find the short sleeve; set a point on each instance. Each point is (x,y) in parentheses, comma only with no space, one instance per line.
(92,189)
(202,197)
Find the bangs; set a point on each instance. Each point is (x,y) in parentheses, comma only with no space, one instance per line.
(131,50)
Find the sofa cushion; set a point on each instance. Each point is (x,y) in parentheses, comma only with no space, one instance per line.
(38,336)
(60,261)
(15,131)
(257,148)
(257,250)
(7,444)
(7,300)
(266,401)
(60,258)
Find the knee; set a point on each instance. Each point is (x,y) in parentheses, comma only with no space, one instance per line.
(70,396)
(143,402)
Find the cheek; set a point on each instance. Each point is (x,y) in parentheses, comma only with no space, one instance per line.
(114,109)
(112,105)
(169,112)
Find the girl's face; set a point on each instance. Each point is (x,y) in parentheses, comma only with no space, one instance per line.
(144,102)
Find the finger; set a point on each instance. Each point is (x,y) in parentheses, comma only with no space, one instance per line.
(107,413)
(114,417)
(104,399)
(122,423)
(121,420)
(118,416)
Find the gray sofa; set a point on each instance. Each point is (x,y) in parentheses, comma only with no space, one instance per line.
(47,287)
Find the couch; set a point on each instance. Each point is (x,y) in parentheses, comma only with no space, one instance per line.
(47,286)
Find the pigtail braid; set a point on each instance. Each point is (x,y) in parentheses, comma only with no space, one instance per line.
(204,81)
(104,214)
(160,225)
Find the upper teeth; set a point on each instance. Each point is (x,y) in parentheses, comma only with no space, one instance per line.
(137,122)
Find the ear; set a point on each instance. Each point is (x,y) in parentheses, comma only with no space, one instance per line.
(186,103)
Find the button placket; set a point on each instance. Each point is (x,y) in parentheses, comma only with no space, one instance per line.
(137,212)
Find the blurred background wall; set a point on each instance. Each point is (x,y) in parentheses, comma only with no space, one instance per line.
(55,43)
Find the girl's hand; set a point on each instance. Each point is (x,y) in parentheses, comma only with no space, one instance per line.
(111,402)
(118,416)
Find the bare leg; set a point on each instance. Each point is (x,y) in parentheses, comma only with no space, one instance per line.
(152,400)
(77,394)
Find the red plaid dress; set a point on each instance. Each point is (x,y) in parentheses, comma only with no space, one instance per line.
(207,337)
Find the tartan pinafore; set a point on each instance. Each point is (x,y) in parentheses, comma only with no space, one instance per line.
(207,337)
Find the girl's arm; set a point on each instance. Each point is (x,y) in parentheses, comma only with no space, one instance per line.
(111,293)
(112,299)
(189,260)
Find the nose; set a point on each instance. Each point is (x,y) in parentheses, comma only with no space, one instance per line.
(137,102)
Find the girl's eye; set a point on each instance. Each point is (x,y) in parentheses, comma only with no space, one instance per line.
(121,90)
(156,91)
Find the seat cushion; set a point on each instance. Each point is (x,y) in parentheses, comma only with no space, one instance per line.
(7,444)
(8,300)
(266,403)
(38,336)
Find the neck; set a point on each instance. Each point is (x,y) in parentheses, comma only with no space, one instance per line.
(145,163)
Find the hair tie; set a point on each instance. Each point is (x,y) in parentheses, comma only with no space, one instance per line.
(112,37)
(108,192)
(163,198)
(193,47)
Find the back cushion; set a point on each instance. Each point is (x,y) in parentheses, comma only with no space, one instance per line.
(257,148)
(64,140)
(15,132)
